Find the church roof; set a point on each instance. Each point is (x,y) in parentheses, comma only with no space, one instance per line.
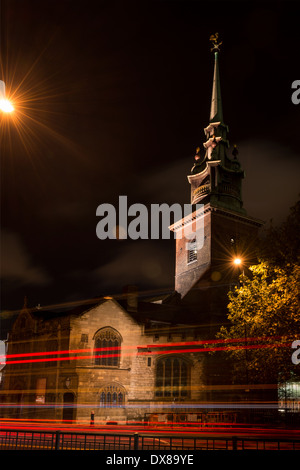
(45,313)
(170,311)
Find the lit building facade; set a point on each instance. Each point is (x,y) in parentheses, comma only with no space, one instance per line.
(124,360)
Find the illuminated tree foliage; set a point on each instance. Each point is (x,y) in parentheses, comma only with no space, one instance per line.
(264,311)
(266,305)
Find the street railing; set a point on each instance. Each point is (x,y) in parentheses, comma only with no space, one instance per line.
(64,440)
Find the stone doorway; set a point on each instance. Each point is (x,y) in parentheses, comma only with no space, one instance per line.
(69,407)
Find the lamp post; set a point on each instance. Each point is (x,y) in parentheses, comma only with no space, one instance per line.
(238,262)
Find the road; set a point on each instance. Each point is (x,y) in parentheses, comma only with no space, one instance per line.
(41,436)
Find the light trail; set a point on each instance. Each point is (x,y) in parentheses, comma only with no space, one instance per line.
(149,348)
(150,430)
(159,406)
(214,341)
(142,353)
(204,388)
(225,348)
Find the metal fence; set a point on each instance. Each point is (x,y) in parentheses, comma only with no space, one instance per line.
(59,440)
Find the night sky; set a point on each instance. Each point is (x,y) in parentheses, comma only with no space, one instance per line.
(111,99)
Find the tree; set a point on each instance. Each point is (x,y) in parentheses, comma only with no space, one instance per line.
(266,305)
(264,312)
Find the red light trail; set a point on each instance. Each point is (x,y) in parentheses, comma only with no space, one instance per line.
(193,429)
(159,348)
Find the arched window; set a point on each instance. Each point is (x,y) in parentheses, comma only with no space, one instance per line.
(107,347)
(112,396)
(172,378)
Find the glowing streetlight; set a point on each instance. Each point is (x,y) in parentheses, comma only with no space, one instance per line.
(5,105)
(237,261)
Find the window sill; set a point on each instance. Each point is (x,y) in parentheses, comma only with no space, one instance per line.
(191,262)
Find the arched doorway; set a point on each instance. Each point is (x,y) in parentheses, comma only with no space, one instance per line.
(69,407)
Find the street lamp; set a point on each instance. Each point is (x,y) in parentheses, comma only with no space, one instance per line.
(237,261)
(5,105)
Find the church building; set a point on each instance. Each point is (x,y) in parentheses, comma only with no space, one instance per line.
(123,359)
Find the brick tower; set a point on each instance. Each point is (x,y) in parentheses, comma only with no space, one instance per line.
(205,257)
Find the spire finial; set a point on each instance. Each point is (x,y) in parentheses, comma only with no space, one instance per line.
(214,40)
(216,113)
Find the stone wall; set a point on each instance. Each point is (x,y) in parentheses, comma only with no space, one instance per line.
(82,381)
(92,378)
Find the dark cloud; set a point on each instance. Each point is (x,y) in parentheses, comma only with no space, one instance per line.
(118,94)
(149,266)
(17,266)
(271,186)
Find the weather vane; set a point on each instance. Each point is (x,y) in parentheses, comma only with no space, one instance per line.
(214,40)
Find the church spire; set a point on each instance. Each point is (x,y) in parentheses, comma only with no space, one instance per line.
(216,111)
(204,253)
(215,177)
